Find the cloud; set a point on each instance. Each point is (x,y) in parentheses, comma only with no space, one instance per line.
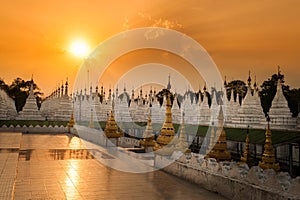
(126,25)
(146,20)
(160,22)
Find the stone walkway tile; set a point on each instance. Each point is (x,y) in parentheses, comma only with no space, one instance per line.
(40,176)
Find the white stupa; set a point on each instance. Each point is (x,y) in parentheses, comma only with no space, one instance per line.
(7,107)
(230,108)
(176,113)
(280,115)
(64,110)
(122,110)
(30,110)
(250,112)
(205,111)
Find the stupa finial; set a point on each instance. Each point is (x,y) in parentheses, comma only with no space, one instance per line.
(249,79)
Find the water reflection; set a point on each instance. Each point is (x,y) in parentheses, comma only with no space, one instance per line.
(68,154)
(55,154)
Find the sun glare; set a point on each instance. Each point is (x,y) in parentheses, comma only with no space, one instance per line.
(79,48)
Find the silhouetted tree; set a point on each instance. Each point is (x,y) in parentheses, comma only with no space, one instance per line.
(3,85)
(160,95)
(294,101)
(239,87)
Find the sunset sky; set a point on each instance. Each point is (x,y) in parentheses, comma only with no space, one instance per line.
(239,35)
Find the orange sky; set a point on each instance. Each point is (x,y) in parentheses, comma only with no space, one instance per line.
(240,36)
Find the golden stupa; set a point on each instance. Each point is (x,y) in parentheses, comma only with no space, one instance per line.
(167,131)
(71,122)
(246,158)
(148,142)
(219,149)
(111,129)
(268,157)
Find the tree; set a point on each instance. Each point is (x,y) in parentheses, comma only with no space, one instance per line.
(238,87)
(160,95)
(294,101)
(3,85)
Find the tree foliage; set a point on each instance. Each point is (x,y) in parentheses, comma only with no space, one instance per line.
(238,87)
(294,101)
(160,95)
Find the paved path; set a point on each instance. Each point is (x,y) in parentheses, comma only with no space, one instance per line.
(58,167)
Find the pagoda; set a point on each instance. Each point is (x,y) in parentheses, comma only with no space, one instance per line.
(122,110)
(219,149)
(205,111)
(64,109)
(281,117)
(71,122)
(30,110)
(250,112)
(167,131)
(176,110)
(268,157)
(7,107)
(111,130)
(231,108)
(246,158)
(148,142)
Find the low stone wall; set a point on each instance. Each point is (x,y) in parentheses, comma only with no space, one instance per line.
(34,129)
(231,180)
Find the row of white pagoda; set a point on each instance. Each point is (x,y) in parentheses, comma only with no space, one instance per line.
(86,107)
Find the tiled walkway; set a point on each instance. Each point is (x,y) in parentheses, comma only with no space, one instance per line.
(58,167)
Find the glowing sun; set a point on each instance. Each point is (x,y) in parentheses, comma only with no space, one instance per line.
(79,48)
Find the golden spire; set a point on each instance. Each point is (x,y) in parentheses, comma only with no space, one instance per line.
(71,122)
(268,158)
(219,151)
(246,158)
(148,141)
(111,129)
(167,131)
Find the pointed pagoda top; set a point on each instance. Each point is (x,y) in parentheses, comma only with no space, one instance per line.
(204,87)
(66,88)
(249,79)
(31,86)
(169,83)
(255,84)
(278,70)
